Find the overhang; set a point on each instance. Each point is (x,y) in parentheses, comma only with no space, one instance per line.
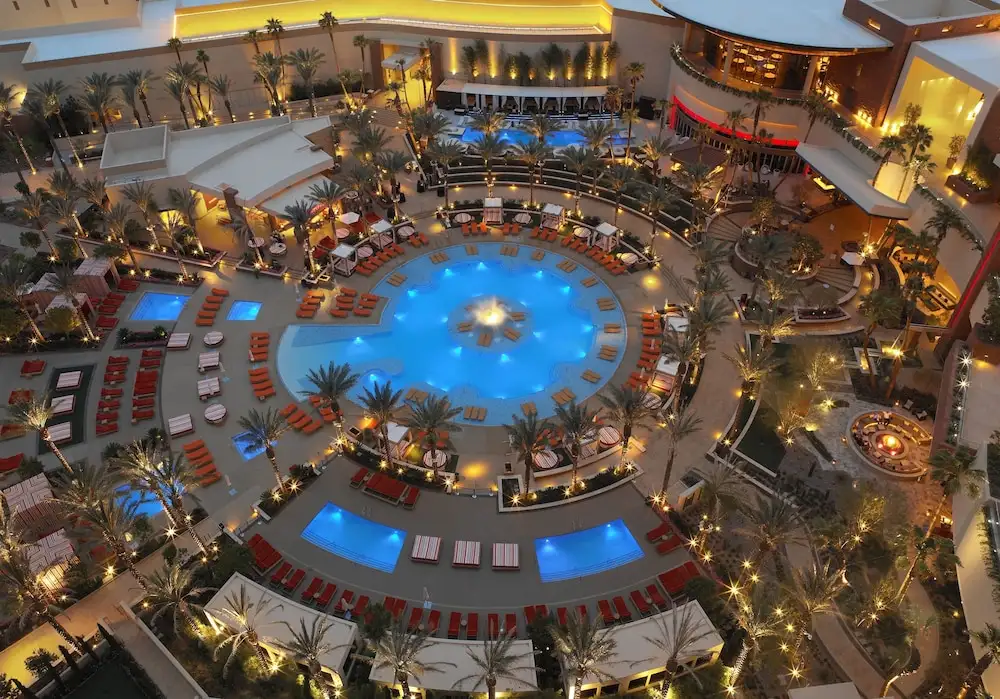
(852,182)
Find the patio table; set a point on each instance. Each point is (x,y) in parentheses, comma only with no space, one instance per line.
(278,249)
(63,404)
(215,413)
(257,242)
(213,338)
(629,258)
(342,233)
(364,251)
(69,379)
(546,460)
(406,231)
(609,435)
(350,217)
(581,232)
(522,218)
(463,218)
(439,460)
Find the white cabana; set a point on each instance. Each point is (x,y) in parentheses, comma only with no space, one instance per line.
(493,210)
(553,216)
(96,276)
(50,551)
(343,259)
(678,323)
(61,301)
(271,626)
(605,236)
(380,234)
(854,259)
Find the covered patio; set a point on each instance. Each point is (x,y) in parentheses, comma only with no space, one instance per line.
(520,98)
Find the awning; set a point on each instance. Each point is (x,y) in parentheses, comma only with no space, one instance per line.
(852,182)
(408,60)
(854,259)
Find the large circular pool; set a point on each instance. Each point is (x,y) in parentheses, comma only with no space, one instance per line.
(489,329)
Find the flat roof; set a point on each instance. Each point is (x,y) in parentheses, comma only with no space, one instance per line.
(973,59)
(340,635)
(805,24)
(852,182)
(458,670)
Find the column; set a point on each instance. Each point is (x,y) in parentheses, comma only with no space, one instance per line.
(961,324)
(687,36)
(810,75)
(728,64)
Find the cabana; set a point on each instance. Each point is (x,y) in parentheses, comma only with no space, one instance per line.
(343,259)
(380,234)
(492,210)
(49,557)
(553,216)
(96,276)
(30,502)
(397,438)
(82,302)
(605,236)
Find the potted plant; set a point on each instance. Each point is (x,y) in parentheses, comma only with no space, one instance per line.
(955,146)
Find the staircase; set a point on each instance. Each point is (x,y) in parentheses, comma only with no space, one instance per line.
(838,277)
(722,228)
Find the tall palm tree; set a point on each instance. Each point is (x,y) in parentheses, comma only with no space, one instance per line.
(175,477)
(178,236)
(757,622)
(138,462)
(307,645)
(634,72)
(381,404)
(268,72)
(328,22)
(770,523)
(540,126)
(428,127)
(245,622)
(528,437)
(489,147)
(391,163)
(630,117)
(172,591)
(35,211)
(753,365)
(432,418)
(654,201)
(253,37)
(49,93)
(63,210)
(944,220)
(369,142)
(399,651)
(446,153)
(578,424)
(185,201)
(8,95)
(597,135)
(117,218)
(175,44)
(678,638)
(34,107)
(627,407)
(222,86)
(327,193)
(307,62)
(989,638)
(497,661)
(890,145)
(64,283)
(534,153)
(33,415)
(99,94)
(488,123)
(813,591)
(15,273)
(178,89)
(619,178)
(579,161)
(361,42)
(655,149)
(613,101)
(261,431)
(331,383)
(275,29)
(918,139)
(358,177)
(710,315)
(141,195)
(584,647)
(882,305)
(95,192)
(299,214)
(679,425)
(129,83)
(142,82)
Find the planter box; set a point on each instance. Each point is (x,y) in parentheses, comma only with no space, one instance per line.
(277,274)
(981,349)
(969,193)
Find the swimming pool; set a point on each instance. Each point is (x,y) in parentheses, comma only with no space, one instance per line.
(156,306)
(586,552)
(245,450)
(419,343)
(244,310)
(147,503)
(355,538)
(557,139)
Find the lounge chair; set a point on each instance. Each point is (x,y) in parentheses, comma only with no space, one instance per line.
(323,600)
(281,573)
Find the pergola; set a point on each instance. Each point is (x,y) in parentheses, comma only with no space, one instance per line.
(492,210)
(553,216)
(95,275)
(605,236)
(343,259)
(380,234)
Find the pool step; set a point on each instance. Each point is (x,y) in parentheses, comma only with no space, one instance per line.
(349,554)
(600,567)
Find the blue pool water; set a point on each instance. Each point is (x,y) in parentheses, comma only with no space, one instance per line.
(245,450)
(586,552)
(418,345)
(244,310)
(155,306)
(148,504)
(355,538)
(557,139)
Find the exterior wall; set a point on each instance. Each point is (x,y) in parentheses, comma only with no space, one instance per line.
(52,16)
(990,126)
(647,39)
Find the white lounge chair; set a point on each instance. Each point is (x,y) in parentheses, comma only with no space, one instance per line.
(179,341)
(63,432)
(506,557)
(426,549)
(182,424)
(466,554)
(208,360)
(208,388)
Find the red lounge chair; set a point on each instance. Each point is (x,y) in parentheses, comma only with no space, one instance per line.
(657,533)
(116,297)
(561,616)
(641,605)
(581,610)
(220,292)
(669,544)
(472,628)
(313,588)
(606,614)
(324,599)
(410,499)
(359,477)
(655,597)
(416,616)
(107,416)
(107,322)
(281,573)
(294,581)
(493,625)
(11,463)
(143,402)
(510,624)
(147,353)
(106,428)
(111,392)
(254,540)
(140,415)
(117,359)
(454,624)
(623,613)
(529,615)
(361,607)
(109,404)
(433,621)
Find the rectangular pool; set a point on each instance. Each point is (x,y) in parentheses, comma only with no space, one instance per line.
(586,552)
(146,503)
(245,449)
(156,306)
(355,538)
(244,310)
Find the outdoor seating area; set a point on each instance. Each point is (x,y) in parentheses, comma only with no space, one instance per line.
(260,346)
(144,388)
(891,443)
(296,418)
(310,304)
(386,488)
(210,307)
(198,455)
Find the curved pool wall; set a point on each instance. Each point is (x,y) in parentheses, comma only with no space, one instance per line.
(355,538)
(586,552)
(416,346)
(556,139)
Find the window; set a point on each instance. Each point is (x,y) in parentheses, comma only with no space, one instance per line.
(873,24)
(636,683)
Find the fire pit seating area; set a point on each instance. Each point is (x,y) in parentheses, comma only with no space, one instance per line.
(891,443)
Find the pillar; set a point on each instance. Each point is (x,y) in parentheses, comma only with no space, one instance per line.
(437,69)
(687,36)
(810,75)
(375,59)
(728,64)
(960,324)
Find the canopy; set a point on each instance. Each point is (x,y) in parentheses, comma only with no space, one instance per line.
(553,210)
(668,366)
(852,182)
(286,197)
(381,226)
(344,251)
(607,230)
(854,259)
(407,58)
(492,202)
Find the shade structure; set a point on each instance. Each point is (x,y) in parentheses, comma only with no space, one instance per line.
(606,236)
(854,259)
(506,557)
(466,554)
(95,275)
(852,182)
(426,548)
(553,216)
(49,551)
(493,210)
(344,258)
(30,503)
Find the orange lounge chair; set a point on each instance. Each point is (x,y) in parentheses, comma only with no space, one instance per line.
(362,312)
(264,394)
(311,427)
(220,292)
(338,312)
(203,322)
(258,356)
(288,410)
(259,380)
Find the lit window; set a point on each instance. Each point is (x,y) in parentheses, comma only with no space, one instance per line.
(873,24)
(946,28)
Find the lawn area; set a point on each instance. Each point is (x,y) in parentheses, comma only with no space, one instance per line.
(760,442)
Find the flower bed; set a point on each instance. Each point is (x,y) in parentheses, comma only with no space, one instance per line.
(605,478)
(135,339)
(411,475)
(300,479)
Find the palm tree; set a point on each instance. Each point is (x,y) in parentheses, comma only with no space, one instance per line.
(178,237)
(299,214)
(540,126)
(753,365)
(275,29)
(361,42)
(427,127)
(634,73)
(327,193)
(597,135)
(253,37)
(813,592)
(15,273)
(679,425)
(35,108)
(178,89)
(989,639)
(358,177)
(655,149)
(138,462)
(944,220)
(719,494)
(489,147)
(761,102)
(175,477)
(245,622)
(64,283)
(175,44)
(327,21)
(528,437)
(35,211)
(534,153)
(268,71)
(307,645)
(433,418)
(117,218)
(889,145)
(446,153)
(391,163)
(579,161)
(129,85)
(578,423)
(382,404)
(757,623)
(331,383)
(185,201)
(307,62)
(880,306)
(612,102)
(99,95)
(172,591)
(399,651)
(8,95)
(261,431)
(496,662)
(142,196)
(49,93)
(627,407)
(678,639)
(95,192)
(770,523)
(918,139)
(584,647)
(141,81)
(488,123)
(370,142)
(620,177)
(222,86)
(630,117)
(654,201)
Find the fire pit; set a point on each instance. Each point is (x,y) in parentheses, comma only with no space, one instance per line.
(890,445)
